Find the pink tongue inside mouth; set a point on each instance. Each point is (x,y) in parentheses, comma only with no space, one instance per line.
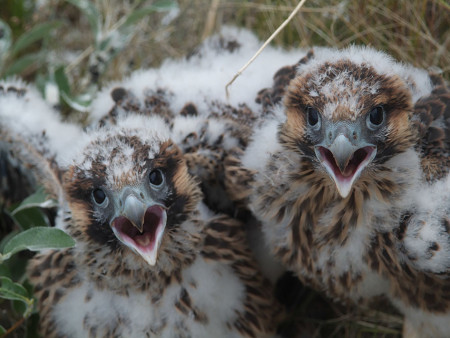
(358,157)
(146,240)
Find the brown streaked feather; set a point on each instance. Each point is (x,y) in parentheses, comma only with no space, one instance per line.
(269,97)
(52,274)
(20,92)
(208,168)
(239,121)
(225,241)
(206,156)
(241,115)
(155,103)
(238,180)
(425,290)
(432,120)
(55,273)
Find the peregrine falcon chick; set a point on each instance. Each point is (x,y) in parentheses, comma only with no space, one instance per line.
(150,258)
(339,175)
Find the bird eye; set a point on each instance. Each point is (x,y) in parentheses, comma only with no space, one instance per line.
(99,196)
(156,177)
(375,117)
(313,117)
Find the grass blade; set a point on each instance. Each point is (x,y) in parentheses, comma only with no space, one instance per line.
(38,32)
(91,12)
(159,6)
(5,38)
(23,63)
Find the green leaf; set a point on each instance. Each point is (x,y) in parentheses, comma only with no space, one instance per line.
(158,6)
(38,199)
(2,330)
(61,80)
(12,291)
(36,33)
(22,309)
(165,5)
(5,38)
(77,103)
(22,63)
(16,292)
(19,307)
(88,8)
(28,286)
(30,217)
(38,238)
(4,270)
(17,266)
(6,239)
(40,82)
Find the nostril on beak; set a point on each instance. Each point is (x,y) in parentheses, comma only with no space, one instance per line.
(355,135)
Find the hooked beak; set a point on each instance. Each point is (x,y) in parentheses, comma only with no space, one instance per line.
(345,161)
(140,227)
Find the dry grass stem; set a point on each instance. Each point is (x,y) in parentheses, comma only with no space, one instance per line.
(277,8)
(210,19)
(280,28)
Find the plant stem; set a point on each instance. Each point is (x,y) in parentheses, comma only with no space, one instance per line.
(15,326)
(295,11)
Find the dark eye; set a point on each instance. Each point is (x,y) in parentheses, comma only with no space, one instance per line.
(375,117)
(99,196)
(312,116)
(156,177)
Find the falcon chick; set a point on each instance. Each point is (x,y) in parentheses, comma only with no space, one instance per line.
(150,258)
(340,177)
(189,95)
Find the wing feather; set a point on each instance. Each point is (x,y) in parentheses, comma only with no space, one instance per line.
(269,97)
(225,242)
(432,119)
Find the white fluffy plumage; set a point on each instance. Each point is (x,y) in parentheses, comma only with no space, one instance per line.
(202,77)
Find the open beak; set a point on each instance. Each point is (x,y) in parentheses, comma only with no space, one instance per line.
(344,161)
(140,227)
